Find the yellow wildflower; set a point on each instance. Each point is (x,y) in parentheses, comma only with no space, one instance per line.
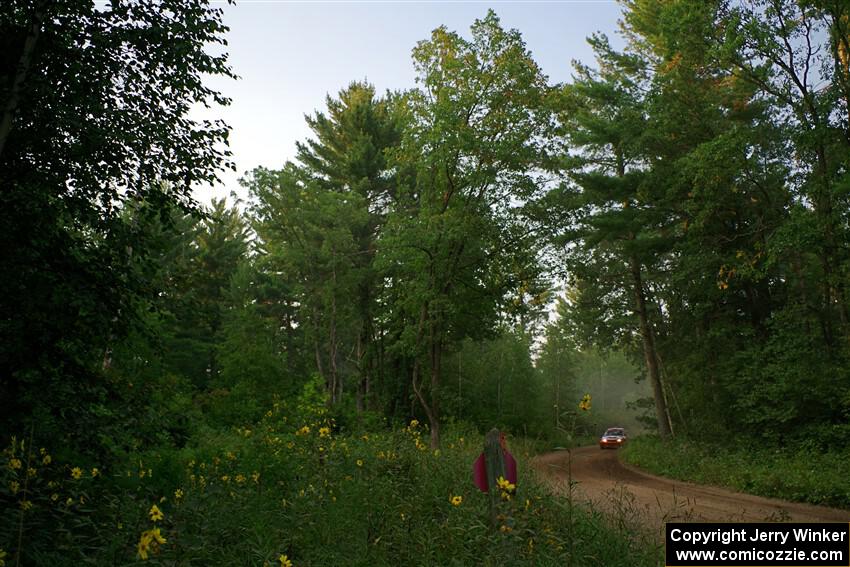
(584,404)
(143,547)
(414,423)
(14,486)
(359,463)
(240,478)
(54,497)
(284,561)
(255,476)
(95,472)
(77,473)
(178,494)
(46,460)
(303,431)
(26,505)
(225,478)
(2,557)
(15,463)
(156,536)
(150,540)
(456,500)
(324,432)
(155,513)
(505,485)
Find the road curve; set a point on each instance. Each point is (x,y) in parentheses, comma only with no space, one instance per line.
(632,495)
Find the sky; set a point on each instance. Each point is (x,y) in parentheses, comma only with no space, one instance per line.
(290,54)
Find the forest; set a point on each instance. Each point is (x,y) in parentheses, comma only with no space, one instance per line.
(668,232)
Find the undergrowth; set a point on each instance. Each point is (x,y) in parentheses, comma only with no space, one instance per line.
(802,474)
(294,489)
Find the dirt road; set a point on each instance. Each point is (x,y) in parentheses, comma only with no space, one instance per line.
(635,496)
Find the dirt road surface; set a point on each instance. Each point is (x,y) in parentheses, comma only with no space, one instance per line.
(634,496)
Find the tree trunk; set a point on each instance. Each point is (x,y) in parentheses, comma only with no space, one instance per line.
(436,371)
(317,351)
(649,351)
(20,75)
(336,385)
(358,353)
(431,407)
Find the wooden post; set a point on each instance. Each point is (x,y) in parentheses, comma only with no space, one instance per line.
(494,457)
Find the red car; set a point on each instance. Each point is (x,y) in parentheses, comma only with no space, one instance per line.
(614,437)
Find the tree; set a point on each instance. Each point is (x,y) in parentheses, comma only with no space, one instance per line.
(795,53)
(349,157)
(454,243)
(95,103)
(195,296)
(319,221)
(619,221)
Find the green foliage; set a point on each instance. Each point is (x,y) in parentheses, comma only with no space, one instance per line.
(292,484)
(73,160)
(318,221)
(801,472)
(458,241)
(494,384)
(692,189)
(702,161)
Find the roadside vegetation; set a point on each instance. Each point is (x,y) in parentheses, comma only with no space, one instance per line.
(295,489)
(802,473)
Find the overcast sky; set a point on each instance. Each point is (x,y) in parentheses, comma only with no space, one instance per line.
(289,55)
